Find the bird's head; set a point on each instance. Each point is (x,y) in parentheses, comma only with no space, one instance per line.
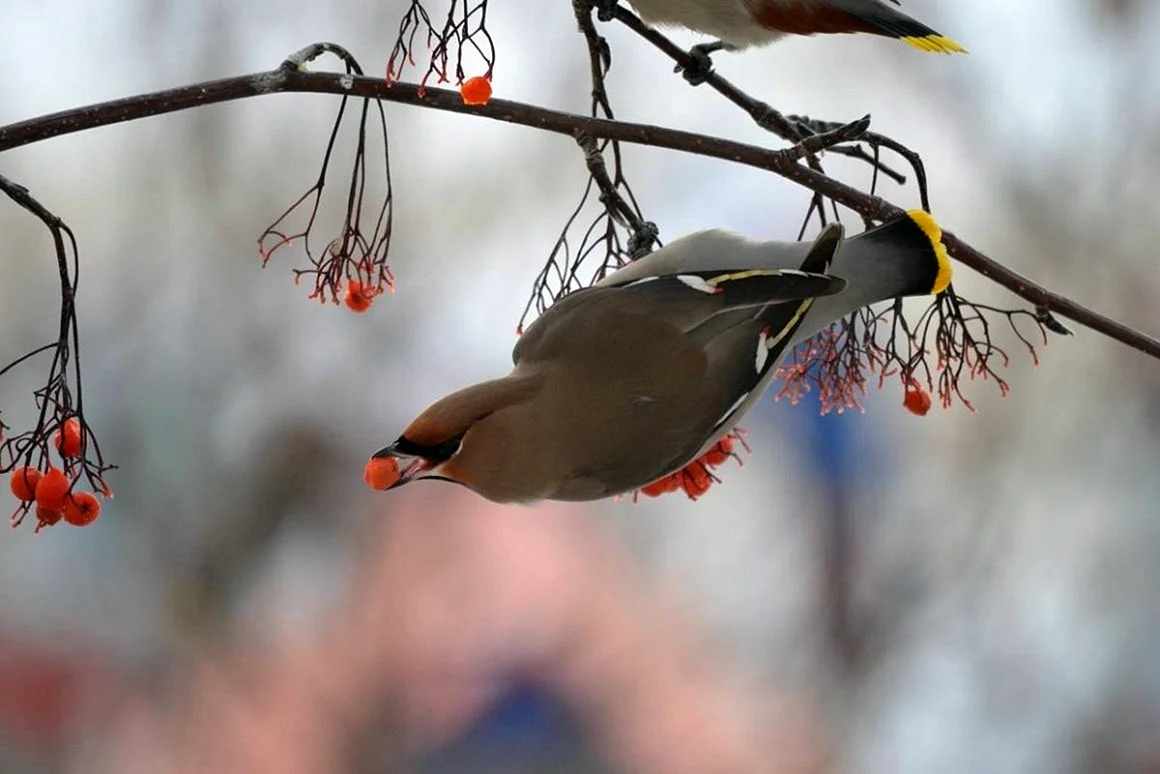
(408,460)
(460,438)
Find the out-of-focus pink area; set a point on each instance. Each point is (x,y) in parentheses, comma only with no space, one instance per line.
(43,693)
(450,597)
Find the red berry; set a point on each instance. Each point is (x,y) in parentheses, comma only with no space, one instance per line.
(662,486)
(81,509)
(476,91)
(51,490)
(47,517)
(359,296)
(721,451)
(24,482)
(917,399)
(68,439)
(381,472)
(695,480)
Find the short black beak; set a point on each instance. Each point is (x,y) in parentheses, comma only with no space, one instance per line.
(410,465)
(387,451)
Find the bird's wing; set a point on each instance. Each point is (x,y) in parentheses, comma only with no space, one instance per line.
(744,349)
(640,374)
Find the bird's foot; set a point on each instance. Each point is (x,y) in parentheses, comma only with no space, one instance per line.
(641,242)
(700,66)
(605,9)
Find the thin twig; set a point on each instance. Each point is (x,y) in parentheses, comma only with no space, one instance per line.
(289,79)
(789,128)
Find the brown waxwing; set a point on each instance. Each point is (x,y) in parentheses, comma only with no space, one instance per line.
(740,24)
(620,384)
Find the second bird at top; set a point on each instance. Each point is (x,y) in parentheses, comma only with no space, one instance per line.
(743,23)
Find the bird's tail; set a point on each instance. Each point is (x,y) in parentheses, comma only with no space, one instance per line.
(895,24)
(902,257)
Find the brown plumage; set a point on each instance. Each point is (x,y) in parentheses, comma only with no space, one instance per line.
(618,385)
(614,387)
(809,18)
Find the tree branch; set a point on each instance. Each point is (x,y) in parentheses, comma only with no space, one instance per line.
(289,78)
(789,128)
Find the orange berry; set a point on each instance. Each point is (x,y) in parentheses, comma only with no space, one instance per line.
(24,481)
(476,91)
(68,439)
(917,399)
(695,480)
(721,451)
(359,296)
(661,486)
(381,472)
(51,490)
(47,517)
(81,509)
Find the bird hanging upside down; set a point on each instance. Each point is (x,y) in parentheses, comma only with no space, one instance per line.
(621,384)
(739,24)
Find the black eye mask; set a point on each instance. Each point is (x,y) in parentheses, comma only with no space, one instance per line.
(433,453)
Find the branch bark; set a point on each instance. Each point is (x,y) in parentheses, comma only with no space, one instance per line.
(290,78)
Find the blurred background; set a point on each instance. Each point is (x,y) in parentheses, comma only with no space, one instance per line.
(870,592)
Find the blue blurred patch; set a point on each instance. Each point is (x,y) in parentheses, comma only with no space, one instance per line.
(528,730)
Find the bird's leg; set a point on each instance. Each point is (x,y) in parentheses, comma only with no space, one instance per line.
(605,9)
(698,70)
(641,242)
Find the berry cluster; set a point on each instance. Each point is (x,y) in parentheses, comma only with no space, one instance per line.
(696,477)
(51,492)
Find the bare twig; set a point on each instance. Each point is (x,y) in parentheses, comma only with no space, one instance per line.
(618,233)
(465,27)
(57,403)
(357,255)
(789,128)
(289,79)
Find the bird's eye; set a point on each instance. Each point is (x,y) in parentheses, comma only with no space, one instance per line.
(433,453)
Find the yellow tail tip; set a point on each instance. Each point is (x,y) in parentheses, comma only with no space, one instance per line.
(924,221)
(936,44)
